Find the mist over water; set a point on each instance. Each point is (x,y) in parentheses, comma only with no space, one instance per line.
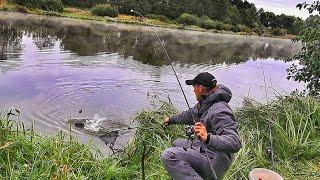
(51,68)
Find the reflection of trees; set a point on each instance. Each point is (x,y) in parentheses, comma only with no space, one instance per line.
(86,38)
(10,47)
(43,41)
(10,41)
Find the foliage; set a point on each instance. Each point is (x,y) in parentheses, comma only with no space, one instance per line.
(279,32)
(159,17)
(188,19)
(295,128)
(291,23)
(309,56)
(230,12)
(83,3)
(207,23)
(155,138)
(48,5)
(227,27)
(295,123)
(52,5)
(105,10)
(25,155)
(243,28)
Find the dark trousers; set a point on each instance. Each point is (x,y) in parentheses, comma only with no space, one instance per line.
(193,163)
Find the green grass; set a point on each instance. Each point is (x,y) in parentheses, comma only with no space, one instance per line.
(85,14)
(25,155)
(295,136)
(295,131)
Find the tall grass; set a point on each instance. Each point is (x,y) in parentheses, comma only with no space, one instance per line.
(154,138)
(295,135)
(295,130)
(25,155)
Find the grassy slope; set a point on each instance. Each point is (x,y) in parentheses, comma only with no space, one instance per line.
(295,129)
(86,14)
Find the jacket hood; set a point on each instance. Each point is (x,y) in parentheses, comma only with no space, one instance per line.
(222,93)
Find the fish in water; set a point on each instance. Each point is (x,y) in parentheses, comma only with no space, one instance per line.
(98,125)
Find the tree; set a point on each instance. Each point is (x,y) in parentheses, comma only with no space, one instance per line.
(248,13)
(268,19)
(310,21)
(309,56)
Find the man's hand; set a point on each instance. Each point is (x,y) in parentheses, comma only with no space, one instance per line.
(200,131)
(166,121)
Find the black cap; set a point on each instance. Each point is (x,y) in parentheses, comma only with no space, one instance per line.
(205,79)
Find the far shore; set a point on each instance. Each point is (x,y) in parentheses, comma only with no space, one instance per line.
(75,13)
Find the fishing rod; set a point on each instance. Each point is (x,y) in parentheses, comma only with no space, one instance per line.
(184,95)
(165,51)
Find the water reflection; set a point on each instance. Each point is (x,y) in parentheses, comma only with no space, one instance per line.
(87,39)
(52,67)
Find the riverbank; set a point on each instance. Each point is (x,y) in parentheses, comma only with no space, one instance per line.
(295,131)
(85,14)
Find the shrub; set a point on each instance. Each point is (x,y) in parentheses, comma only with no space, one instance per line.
(22,9)
(188,19)
(279,32)
(31,3)
(206,22)
(243,28)
(309,54)
(83,3)
(235,29)
(48,5)
(227,27)
(158,16)
(105,10)
(218,25)
(52,5)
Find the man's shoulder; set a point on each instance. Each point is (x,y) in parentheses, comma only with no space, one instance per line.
(220,107)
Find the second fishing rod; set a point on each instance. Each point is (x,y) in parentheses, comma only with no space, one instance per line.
(190,129)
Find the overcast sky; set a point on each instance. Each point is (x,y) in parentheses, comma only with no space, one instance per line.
(282,7)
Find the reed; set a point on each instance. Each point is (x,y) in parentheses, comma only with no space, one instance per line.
(295,130)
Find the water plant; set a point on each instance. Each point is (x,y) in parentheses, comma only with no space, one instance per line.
(294,121)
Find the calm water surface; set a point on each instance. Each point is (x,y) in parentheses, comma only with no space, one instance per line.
(51,68)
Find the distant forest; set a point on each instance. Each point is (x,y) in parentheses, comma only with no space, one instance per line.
(230,15)
(232,12)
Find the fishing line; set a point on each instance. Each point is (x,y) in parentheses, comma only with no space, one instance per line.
(165,51)
(170,62)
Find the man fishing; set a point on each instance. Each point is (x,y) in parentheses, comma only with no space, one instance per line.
(210,155)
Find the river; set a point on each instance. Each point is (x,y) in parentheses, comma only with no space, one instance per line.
(55,69)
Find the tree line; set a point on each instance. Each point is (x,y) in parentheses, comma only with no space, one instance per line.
(232,12)
(233,15)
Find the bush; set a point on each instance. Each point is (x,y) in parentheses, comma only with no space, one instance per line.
(188,19)
(235,29)
(32,3)
(48,5)
(159,17)
(243,28)
(21,9)
(52,5)
(218,25)
(82,3)
(279,32)
(206,22)
(227,27)
(105,10)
